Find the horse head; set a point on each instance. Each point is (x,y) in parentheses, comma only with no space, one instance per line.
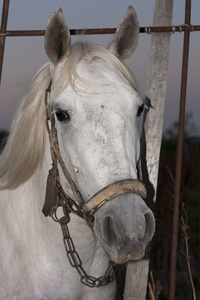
(96,108)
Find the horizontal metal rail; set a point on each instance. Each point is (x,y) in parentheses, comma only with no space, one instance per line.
(94,31)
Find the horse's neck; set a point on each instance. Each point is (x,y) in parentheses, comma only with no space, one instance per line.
(40,237)
(33,246)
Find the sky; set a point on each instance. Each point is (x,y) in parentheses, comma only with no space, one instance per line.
(25,55)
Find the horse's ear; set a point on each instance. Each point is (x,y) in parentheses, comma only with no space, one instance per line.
(57,37)
(126,37)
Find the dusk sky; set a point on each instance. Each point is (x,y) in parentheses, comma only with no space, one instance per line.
(24,56)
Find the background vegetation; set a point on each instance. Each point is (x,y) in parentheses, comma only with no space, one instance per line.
(190,213)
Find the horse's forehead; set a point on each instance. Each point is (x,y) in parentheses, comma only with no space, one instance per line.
(101,81)
(121,97)
(99,71)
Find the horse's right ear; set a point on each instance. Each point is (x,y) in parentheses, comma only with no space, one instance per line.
(125,39)
(57,37)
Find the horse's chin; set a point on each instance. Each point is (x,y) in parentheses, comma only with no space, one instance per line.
(124,254)
(129,257)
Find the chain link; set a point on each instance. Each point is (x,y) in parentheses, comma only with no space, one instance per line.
(73,257)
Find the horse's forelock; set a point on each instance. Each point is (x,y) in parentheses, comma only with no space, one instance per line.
(82,49)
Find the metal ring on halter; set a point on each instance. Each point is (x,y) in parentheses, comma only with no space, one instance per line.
(64,219)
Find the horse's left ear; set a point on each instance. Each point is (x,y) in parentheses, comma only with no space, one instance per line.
(126,37)
(57,37)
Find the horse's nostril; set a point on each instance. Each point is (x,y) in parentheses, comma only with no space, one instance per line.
(150,227)
(136,231)
(109,231)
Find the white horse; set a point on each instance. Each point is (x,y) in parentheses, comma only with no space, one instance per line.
(95,107)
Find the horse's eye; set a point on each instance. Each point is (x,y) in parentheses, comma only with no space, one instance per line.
(140,110)
(62,115)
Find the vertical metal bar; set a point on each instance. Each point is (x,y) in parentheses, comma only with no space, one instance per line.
(4,20)
(180,151)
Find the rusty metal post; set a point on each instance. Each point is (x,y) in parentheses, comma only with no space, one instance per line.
(180,151)
(4,20)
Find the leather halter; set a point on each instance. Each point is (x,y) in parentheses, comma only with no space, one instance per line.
(55,192)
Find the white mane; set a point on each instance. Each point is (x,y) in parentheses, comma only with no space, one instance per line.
(26,143)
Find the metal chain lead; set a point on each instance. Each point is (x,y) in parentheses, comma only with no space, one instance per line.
(73,256)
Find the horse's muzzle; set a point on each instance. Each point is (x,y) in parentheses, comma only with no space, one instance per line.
(124,226)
